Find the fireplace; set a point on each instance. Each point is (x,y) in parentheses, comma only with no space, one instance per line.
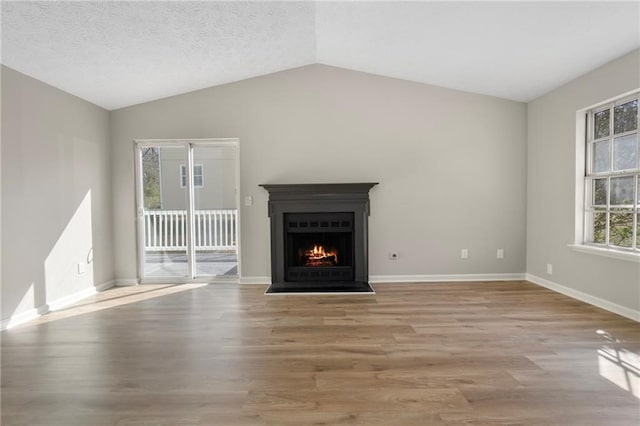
(319,237)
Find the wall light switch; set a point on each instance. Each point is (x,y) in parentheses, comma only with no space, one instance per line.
(248,200)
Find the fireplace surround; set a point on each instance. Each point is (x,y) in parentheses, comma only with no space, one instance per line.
(319,237)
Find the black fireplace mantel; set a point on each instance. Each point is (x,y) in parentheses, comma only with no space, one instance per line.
(304,193)
(285,199)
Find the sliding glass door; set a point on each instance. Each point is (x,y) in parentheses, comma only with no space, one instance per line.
(163,214)
(215,214)
(187,209)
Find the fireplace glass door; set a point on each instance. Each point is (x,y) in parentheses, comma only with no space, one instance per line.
(319,247)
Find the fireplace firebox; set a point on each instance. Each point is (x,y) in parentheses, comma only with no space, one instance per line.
(319,237)
(319,247)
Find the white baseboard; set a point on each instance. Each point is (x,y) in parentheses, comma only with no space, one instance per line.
(255,280)
(65,301)
(444,278)
(23,317)
(53,305)
(105,286)
(121,282)
(414,278)
(587,298)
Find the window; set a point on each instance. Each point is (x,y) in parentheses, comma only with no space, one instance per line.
(198,176)
(612,182)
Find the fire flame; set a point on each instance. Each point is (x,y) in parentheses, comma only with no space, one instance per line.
(318,256)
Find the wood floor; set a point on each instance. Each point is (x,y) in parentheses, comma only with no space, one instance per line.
(507,353)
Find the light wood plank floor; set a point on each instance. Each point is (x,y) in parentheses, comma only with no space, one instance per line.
(507,353)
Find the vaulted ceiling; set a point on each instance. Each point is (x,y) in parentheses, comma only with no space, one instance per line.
(116,54)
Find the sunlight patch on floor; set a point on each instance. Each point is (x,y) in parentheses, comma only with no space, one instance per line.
(114,297)
(619,365)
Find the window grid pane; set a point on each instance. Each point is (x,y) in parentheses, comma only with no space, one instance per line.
(599,227)
(621,229)
(600,190)
(638,231)
(601,126)
(625,152)
(621,193)
(625,117)
(601,156)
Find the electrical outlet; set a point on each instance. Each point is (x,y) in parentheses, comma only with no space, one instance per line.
(500,254)
(549,269)
(81,269)
(393,255)
(464,254)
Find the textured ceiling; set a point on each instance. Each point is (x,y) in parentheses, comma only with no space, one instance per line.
(116,54)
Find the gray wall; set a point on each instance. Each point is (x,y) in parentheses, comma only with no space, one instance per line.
(56,194)
(551,188)
(451,165)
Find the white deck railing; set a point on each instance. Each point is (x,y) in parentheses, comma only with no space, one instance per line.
(166,230)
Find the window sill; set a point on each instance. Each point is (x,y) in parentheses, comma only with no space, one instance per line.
(606,252)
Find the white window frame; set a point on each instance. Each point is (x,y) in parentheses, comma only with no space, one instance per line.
(183,176)
(589,176)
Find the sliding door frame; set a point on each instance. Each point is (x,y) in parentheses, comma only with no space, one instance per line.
(188,145)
